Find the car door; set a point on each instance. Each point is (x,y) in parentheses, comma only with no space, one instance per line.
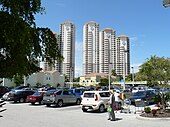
(150,96)
(72,97)
(65,96)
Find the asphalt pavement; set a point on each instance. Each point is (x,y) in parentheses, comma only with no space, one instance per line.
(26,115)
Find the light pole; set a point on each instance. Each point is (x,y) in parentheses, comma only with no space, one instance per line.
(124,64)
(71,77)
(3,82)
(166,3)
(133,78)
(109,75)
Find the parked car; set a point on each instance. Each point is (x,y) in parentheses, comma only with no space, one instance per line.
(146,96)
(19,95)
(77,91)
(60,97)
(95,100)
(36,97)
(3,90)
(19,87)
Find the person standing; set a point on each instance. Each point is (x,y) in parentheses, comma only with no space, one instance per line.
(118,100)
(112,104)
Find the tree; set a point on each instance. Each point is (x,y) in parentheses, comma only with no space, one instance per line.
(156,71)
(22,43)
(18,80)
(103,82)
(114,72)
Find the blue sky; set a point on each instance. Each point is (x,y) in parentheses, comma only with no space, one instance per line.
(145,22)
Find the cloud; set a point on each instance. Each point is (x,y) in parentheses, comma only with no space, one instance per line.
(78,59)
(78,71)
(79,46)
(133,39)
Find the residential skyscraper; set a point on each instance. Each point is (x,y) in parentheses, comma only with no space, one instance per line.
(67,48)
(90,48)
(122,55)
(107,50)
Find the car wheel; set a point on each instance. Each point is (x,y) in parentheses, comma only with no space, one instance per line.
(78,101)
(21,100)
(101,108)
(33,103)
(84,110)
(41,102)
(48,105)
(60,103)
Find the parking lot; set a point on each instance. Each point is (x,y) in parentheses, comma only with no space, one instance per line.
(26,115)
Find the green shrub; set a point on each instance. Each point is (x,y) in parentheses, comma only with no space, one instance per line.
(147,109)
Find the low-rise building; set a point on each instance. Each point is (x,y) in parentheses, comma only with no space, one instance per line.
(92,79)
(54,78)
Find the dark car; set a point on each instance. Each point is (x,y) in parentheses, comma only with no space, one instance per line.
(19,95)
(36,97)
(146,96)
(3,90)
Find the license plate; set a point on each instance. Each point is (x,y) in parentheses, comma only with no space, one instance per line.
(86,107)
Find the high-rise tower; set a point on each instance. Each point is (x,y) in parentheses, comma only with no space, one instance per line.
(67,48)
(107,50)
(122,55)
(90,48)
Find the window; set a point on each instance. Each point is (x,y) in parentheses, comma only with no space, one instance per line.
(65,92)
(89,95)
(105,94)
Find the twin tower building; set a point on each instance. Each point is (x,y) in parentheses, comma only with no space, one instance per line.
(103,51)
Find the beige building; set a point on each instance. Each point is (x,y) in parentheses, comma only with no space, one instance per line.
(92,79)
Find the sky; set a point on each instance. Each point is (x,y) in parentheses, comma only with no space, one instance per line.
(145,22)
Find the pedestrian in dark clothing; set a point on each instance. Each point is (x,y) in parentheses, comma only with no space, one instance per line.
(112,105)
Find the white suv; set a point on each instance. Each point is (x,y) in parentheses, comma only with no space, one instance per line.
(95,100)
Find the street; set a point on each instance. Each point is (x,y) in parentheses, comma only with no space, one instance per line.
(26,115)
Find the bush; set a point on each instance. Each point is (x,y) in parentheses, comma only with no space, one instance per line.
(147,109)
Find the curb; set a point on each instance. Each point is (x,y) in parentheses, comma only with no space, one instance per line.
(147,118)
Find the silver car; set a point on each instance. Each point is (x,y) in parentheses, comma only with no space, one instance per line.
(60,97)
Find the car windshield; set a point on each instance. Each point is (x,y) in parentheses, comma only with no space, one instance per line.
(141,93)
(37,94)
(89,95)
(49,92)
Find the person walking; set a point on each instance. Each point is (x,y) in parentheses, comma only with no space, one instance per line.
(112,105)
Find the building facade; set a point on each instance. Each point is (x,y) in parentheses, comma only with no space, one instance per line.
(122,55)
(67,48)
(90,48)
(107,50)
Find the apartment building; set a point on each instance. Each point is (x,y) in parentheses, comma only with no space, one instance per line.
(90,48)
(67,48)
(107,50)
(122,55)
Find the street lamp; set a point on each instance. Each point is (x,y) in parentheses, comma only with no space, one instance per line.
(109,58)
(71,77)
(166,3)
(133,78)
(109,74)
(124,64)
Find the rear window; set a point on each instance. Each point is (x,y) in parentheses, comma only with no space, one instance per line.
(89,95)
(105,94)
